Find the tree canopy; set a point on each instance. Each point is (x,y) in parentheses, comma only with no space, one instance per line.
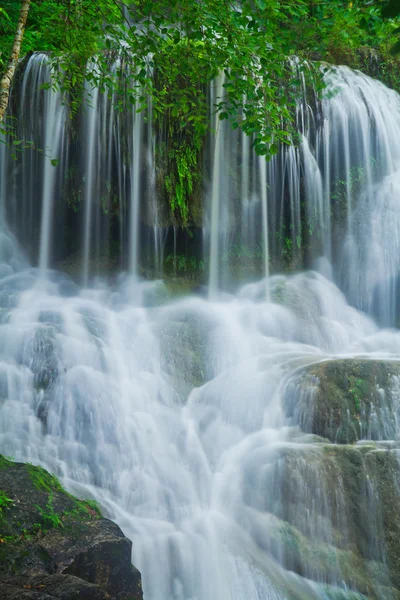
(186,43)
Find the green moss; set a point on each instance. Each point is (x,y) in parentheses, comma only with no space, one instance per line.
(49,518)
(5,463)
(5,502)
(179,286)
(43,480)
(182,265)
(319,560)
(334,593)
(84,509)
(342,400)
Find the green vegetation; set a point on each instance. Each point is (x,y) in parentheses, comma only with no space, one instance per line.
(59,509)
(346,191)
(4,501)
(346,398)
(170,50)
(43,480)
(52,519)
(5,461)
(40,529)
(49,518)
(181,263)
(356,392)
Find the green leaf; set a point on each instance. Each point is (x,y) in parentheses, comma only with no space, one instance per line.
(5,15)
(273,148)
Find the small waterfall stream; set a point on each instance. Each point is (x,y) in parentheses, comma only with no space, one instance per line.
(91,188)
(176,414)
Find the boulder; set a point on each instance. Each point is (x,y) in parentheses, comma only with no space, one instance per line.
(331,513)
(54,545)
(346,400)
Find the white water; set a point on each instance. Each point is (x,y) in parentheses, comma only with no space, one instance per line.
(219,189)
(264,214)
(135,177)
(112,422)
(98,384)
(348,146)
(53,143)
(92,174)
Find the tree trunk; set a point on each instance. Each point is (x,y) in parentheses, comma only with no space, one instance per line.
(7,78)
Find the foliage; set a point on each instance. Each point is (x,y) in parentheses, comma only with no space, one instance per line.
(91,506)
(5,461)
(84,509)
(43,480)
(181,263)
(4,501)
(50,519)
(391,9)
(356,392)
(179,183)
(159,56)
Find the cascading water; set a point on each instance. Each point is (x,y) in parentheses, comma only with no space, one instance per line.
(177,415)
(91,189)
(32,187)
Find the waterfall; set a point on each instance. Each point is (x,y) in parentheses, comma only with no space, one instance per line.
(217,189)
(92,173)
(348,144)
(53,138)
(135,176)
(3,179)
(190,419)
(264,208)
(35,175)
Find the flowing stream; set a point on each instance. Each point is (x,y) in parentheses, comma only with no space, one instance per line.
(171,413)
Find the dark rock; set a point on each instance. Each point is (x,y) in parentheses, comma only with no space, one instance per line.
(346,400)
(62,587)
(54,545)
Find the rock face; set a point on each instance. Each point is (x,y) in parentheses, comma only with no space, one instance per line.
(184,351)
(346,400)
(331,513)
(55,546)
(334,515)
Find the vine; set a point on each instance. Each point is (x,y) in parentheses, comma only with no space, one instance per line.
(181,128)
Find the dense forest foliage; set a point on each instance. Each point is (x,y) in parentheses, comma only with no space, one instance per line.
(169,50)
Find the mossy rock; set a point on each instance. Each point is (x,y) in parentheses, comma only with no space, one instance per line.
(346,400)
(331,513)
(318,561)
(57,546)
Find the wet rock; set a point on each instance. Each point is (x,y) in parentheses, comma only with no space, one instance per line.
(41,356)
(62,587)
(346,400)
(331,513)
(53,545)
(184,344)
